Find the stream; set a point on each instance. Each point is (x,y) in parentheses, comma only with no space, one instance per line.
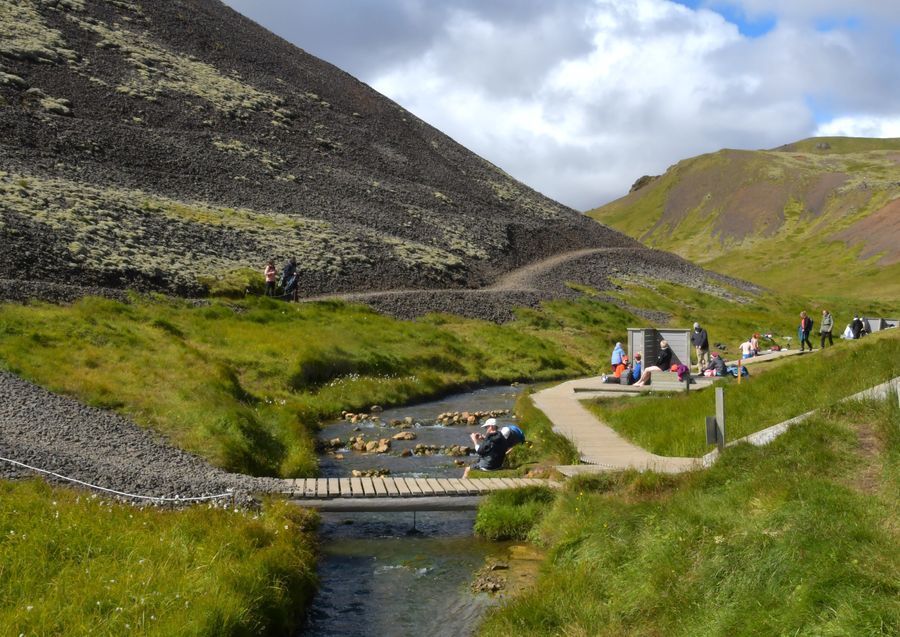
(403,574)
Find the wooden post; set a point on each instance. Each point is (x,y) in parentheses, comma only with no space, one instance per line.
(740,368)
(720,417)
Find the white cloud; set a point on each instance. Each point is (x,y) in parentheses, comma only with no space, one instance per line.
(862,126)
(578,99)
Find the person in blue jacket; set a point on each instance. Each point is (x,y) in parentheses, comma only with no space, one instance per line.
(616,358)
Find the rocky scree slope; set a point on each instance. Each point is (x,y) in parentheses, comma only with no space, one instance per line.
(149,144)
(826,209)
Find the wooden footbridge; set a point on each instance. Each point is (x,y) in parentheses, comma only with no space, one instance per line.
(398,494)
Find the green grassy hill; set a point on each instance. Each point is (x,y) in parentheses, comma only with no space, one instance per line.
(820,216)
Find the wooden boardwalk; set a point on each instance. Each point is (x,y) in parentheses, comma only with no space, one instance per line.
(398,494)
(598,444)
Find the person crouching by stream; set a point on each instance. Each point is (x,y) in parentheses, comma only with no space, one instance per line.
(491,448)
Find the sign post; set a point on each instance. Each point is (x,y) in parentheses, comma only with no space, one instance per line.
(715,425)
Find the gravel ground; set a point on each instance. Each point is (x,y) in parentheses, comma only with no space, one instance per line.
(59,434)
(533,284)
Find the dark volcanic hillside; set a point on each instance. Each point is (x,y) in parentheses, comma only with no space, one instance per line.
(148,144)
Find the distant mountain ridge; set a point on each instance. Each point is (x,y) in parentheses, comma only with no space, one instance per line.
(817,216)
(152,143)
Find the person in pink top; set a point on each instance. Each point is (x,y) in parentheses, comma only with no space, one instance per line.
(271,274)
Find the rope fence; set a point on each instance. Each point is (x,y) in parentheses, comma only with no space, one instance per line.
(152,498)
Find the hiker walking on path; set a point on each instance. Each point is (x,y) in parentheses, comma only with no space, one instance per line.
(803,331)
(490,448)
(270,273)
(617,355)
(700,341)
(290,277)
(827,326)
(663,362)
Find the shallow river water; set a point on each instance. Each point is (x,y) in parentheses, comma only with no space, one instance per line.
(387,574)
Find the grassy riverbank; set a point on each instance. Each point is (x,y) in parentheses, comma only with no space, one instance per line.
(245,383)
(672,425)
(798,537)
(73,564)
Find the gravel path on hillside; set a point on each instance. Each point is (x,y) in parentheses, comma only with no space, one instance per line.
(548,280)
(59,434)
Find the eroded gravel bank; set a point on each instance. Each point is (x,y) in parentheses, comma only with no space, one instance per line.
(59,434)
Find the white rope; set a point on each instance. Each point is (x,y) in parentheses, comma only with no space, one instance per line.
(122,493)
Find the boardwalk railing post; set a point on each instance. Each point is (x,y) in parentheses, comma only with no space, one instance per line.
(720,417)
(715,425)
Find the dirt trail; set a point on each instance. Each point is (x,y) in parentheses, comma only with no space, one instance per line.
(521,279)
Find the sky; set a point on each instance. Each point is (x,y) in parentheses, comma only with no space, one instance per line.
(579,98)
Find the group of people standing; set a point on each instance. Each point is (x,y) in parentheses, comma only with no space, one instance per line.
(290,279)
(856,329)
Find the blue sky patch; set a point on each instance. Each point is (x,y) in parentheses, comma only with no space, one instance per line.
(821,109)
(833,24)
(748,27)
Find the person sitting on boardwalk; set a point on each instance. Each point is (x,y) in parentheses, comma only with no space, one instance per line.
(635,374)
(716,366)
(617,355)
(857,327)
(803,331)
(491,449)
(663,363)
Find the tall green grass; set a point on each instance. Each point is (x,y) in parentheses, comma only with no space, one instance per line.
(74,564)
(796,538)
(673,424)
(246,383)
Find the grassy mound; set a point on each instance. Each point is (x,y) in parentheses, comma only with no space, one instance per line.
(74,564)
(673,425)
(816,215)
(798,537)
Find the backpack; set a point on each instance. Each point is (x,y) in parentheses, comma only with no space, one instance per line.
(516,435)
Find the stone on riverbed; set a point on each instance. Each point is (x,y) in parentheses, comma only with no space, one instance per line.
(404,435)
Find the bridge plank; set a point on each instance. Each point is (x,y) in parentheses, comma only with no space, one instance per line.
(438,485)
(402,487)
(381,486)
(510,482)
(479,486)
(444,484)
(458,486)
(346,488)
(391,485)
(309,487)
(356,485)
(334,488)
(321,487)
(414,488)
(495,484)
(368,487)
(426,486)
